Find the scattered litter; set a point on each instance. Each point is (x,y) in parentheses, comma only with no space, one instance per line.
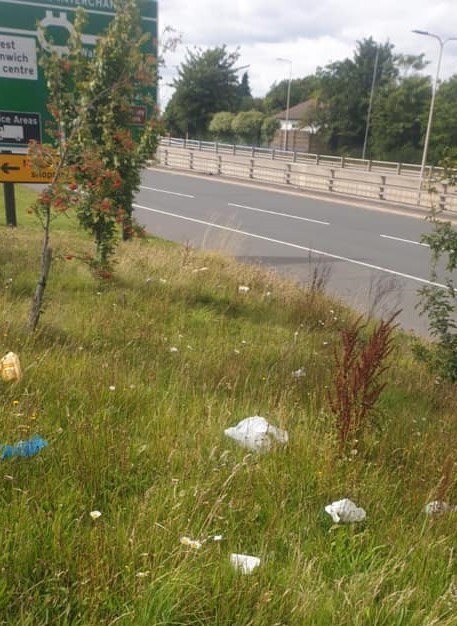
(23,448)
(300,373)
(194,544)
(10,367)
(245,563)
(243,289)
(174,349)
(256,433)
(436,507)
(218,537)
(200,269)
(112,388)
(345,511)
(95,514)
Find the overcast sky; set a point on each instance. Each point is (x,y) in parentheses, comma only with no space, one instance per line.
(310,33)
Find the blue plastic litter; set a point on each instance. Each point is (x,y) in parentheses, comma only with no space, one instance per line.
(23,448)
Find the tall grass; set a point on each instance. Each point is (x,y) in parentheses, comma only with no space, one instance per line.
(135,430)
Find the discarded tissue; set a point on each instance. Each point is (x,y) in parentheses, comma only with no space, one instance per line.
(244,562)
(23,448)
(345,511)
(10,367)
(256,433)
(436,507)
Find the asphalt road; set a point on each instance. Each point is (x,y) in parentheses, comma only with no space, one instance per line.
(371,257)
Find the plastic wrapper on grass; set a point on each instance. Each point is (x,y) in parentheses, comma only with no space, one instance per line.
(10,367)
(256,433)
(345,512)
(23,448)
(437,508)
(244,562)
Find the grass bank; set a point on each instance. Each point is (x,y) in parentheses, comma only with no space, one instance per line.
(132,382)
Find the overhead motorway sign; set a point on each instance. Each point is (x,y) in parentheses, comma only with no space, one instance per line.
(23,92)
(17,168)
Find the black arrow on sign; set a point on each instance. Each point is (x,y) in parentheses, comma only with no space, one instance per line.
(6,168)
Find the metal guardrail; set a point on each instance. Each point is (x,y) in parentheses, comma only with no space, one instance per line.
(366,165)
(379,187)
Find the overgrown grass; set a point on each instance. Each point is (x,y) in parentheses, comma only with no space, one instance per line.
(135,431)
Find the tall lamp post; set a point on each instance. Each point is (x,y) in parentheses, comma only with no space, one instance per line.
(286,132)
(442,43)
(370,106)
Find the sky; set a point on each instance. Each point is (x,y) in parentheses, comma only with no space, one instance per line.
(309,33)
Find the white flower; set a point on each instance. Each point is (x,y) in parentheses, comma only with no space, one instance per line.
(243,289)
(256,433)
(300,373)
(194,544)
(95,514)
(244,562)
(345,511)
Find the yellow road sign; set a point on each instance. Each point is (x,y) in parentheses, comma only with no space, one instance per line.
(17,168)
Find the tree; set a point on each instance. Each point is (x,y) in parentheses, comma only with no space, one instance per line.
(207,83)
(301,89)
(444,130)
(270,125)
(399,120)
(246,101)
(345,92)
(97,159)
(221,126)
(247,126)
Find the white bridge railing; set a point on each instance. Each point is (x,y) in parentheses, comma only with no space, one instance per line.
(366,165)
(388,187)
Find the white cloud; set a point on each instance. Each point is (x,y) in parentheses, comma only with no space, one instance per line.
(309,32)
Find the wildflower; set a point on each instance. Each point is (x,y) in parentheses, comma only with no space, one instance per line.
(345,511)
(245,563)
(194,544)
(95,514)
(243,289)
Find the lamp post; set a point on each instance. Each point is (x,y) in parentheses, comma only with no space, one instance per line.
(370,106)
(286,132)
(442,43)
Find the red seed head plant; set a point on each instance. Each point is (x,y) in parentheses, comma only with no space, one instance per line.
(360,365)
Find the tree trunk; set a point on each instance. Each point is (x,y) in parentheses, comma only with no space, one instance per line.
(41,286)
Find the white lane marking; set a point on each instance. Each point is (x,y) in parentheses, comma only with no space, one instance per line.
(416,243)
(293,217)
(293,245)
(171,193)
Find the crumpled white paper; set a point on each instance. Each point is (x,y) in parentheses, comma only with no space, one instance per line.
(256,433)
(436,507)
(345,511)
(244,563)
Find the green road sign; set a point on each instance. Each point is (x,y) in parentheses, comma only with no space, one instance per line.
(23,94)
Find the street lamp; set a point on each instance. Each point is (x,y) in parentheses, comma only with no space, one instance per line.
(285,144)
(370,106)
(442,43)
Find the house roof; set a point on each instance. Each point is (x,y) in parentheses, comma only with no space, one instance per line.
(298,112)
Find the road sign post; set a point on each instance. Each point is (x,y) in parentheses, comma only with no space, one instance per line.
(10,204)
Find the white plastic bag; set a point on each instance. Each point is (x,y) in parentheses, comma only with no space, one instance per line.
(244,563)
(345,511)
(256,433)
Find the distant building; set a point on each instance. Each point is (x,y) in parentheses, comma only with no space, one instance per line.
(297,129)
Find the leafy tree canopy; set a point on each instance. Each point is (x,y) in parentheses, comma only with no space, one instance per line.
(207,83)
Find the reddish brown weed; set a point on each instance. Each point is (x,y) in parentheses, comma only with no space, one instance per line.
(358,380)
